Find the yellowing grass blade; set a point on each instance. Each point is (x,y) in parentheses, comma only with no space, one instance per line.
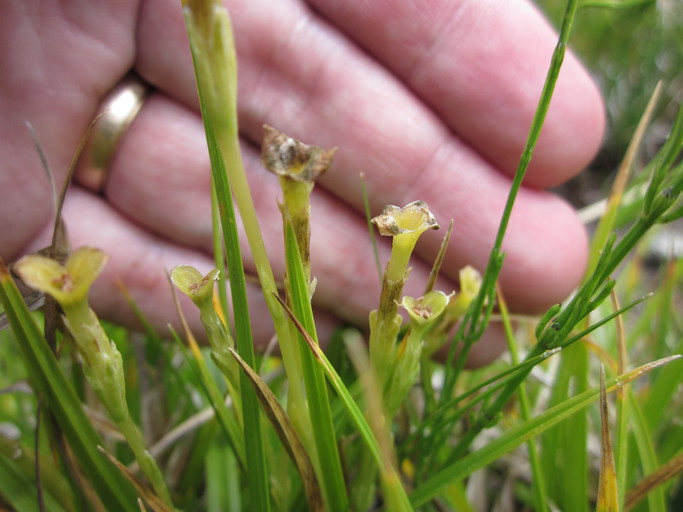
(607,488)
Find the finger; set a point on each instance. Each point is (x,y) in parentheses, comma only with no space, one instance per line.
(140,261)
(298,74)
(481,67)
(159,179)
(57,58)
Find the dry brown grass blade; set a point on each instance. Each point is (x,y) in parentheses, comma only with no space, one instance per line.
(287,435)
(654,479)
(145,492)
(607,487)
(436,267)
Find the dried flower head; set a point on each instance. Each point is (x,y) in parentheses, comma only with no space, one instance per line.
(68,283)
(287,157)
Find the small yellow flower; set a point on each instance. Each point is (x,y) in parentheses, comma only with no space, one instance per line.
(470,283)
(67,284)
(191,282)
(426,309)
(405,225)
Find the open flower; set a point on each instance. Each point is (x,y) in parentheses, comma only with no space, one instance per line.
(405,225)
(68,284)
(426,309)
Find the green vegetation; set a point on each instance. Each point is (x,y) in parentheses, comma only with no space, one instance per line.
(364,426)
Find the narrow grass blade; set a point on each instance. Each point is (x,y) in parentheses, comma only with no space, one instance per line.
(517,435)
(371,227)
(19,491)
(288,436)
(226,419)
(335,380)
(436,267)
(607,486)
(331,477)
(647,455)
(606,224)
(658,477)
(622,408)
(155,503)
(48,379)
(538,482)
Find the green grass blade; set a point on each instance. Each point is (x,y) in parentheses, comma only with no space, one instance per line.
(287,435)
(538,482)
(225,418)
(606,224)
(476,319)
(19,491)
(646,452)
(49,380)
(205,22)
(331,474)
(355,413)
(569,440)
(517,435)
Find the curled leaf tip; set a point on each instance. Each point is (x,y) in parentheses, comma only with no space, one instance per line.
(290,158)
(412,218)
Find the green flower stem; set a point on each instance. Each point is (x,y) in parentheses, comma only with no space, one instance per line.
(296,204)
(104,370)
(424,316)
(212,44)
(405,225)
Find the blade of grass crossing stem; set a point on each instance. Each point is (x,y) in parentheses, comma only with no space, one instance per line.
(329,463)
(394,497)
(350,404)
(463,467)
(495,259)
(606,224)
(287,434)
(253,437)
(538,484)
(47,376)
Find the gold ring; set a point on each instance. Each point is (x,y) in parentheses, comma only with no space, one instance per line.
(116,113)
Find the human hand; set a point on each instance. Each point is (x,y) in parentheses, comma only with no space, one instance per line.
(430,101)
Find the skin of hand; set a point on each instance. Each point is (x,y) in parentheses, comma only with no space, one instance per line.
(430,101)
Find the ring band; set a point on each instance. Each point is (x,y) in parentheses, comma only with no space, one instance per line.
(116,113)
